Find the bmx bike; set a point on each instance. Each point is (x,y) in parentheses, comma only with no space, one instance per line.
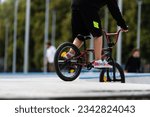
(70,69)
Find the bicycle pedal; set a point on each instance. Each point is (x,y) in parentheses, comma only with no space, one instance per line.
(71,70)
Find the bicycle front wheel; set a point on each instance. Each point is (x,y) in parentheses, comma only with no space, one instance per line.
(116,74)
(67,69)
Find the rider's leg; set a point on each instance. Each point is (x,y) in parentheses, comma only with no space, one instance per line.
(98,41)
(78,43)
(99,63)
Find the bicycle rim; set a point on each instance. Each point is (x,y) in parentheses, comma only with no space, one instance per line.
(67,69)
(113,75)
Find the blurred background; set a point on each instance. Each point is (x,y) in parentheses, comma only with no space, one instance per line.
(26,26)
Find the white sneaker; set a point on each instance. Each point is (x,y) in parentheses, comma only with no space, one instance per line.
(101,64)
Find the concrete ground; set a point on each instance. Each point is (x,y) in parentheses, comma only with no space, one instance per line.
(49,86)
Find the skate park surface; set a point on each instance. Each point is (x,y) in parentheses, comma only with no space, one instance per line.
(41,86)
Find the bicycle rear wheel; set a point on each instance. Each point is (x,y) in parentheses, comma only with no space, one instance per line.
(67,69)
(116,74)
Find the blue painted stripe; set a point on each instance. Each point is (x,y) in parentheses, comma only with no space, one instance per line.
(127,75)
(83,75)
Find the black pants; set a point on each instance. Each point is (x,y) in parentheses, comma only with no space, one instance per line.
(85,22)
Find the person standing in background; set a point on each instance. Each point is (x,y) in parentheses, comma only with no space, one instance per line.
(50,53)
(133,64)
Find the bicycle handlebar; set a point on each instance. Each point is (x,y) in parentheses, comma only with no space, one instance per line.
(112,34)
(109,34)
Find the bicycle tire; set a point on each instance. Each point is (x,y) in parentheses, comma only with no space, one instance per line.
(57,66)
(107,78)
